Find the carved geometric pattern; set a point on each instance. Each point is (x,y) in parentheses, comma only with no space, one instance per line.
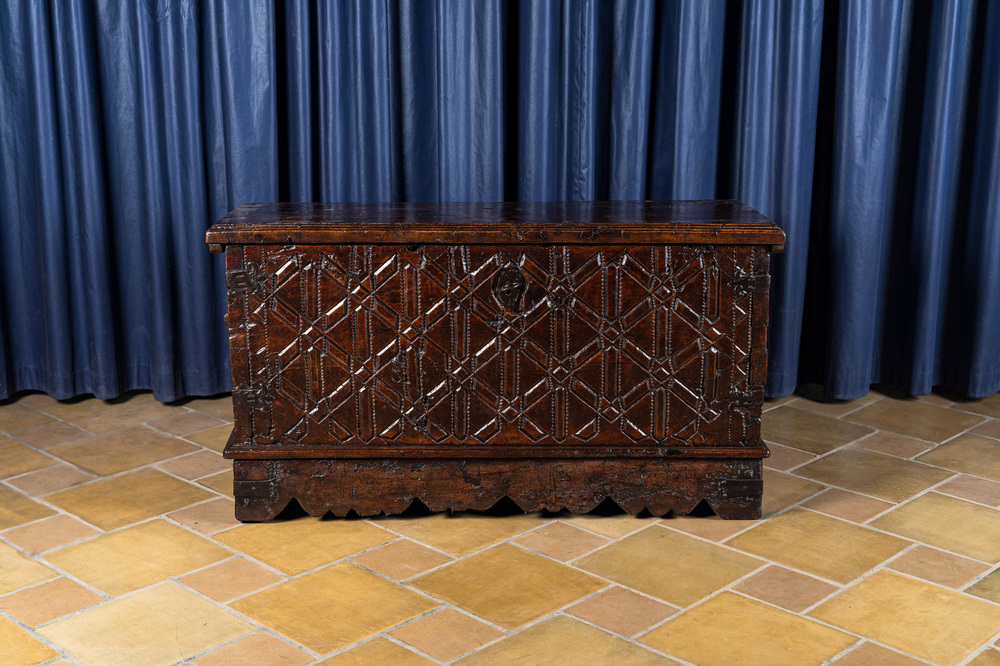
(382,345)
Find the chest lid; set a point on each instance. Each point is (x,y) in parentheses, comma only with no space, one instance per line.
(721,222)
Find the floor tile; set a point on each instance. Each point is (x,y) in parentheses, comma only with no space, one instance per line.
(135,557)
(298,545)
(264,648)
(614,526)
(712,528)
(49,533)
(17,459)
(771,403)
(99,416)
(17,509)
(807,431)
(50,434)
(121,450)
(378,651)
(507,585)
(784,490)
(446,634)
(696,568)
(17,571)
(196,465)
(208,517)
(847,505)
(987,658)
(915,419)
(819,544)
(136,630)
(785,457)
(16,417)
(871,473)
(563,640)
(969,454)
(37,401)
(220,407)
(831,408)
(987,588)
(786,588)
(986,406)
(215,439)
(220,483)
(947,523)
(894,444)
(231,579)
(868,654)
(621,611)
(730,629)
(113,503)
(43,603)
(561,541)
(19,648)
(51,479)
(988,428)
(334,607)
(919,618)
(186,423)
(461,533)
(972,488)
(401,559)
(937,566)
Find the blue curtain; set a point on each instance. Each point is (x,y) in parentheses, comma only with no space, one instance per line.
(868,131)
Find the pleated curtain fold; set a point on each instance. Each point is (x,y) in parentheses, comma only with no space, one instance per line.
(868,131)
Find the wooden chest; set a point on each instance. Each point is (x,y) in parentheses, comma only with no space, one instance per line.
(555,353)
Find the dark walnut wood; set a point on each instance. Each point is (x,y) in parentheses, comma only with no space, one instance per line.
(556,354)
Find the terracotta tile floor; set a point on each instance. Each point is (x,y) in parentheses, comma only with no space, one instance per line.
(880,545)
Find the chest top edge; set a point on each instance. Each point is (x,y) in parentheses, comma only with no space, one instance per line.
(722,222)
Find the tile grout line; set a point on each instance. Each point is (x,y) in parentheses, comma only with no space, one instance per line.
(31,632)
(504,632)
(610,583)
(954,473)
(99,477)
(630,639)
(993,569)
(58,570)
(59,419)
(883,566)
(41,499)
(261,629)
(413,648)
(992,643)
(369,639)
(715,593)
(846,651)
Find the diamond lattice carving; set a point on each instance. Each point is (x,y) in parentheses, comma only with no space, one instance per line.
(404,346)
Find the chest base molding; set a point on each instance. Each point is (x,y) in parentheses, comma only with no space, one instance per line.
(731,487)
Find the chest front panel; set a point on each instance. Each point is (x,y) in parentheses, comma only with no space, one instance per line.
(392,347)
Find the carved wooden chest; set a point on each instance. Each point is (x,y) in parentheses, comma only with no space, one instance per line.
(556,353)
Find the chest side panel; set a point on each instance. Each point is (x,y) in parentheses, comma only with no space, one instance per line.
(392,347)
